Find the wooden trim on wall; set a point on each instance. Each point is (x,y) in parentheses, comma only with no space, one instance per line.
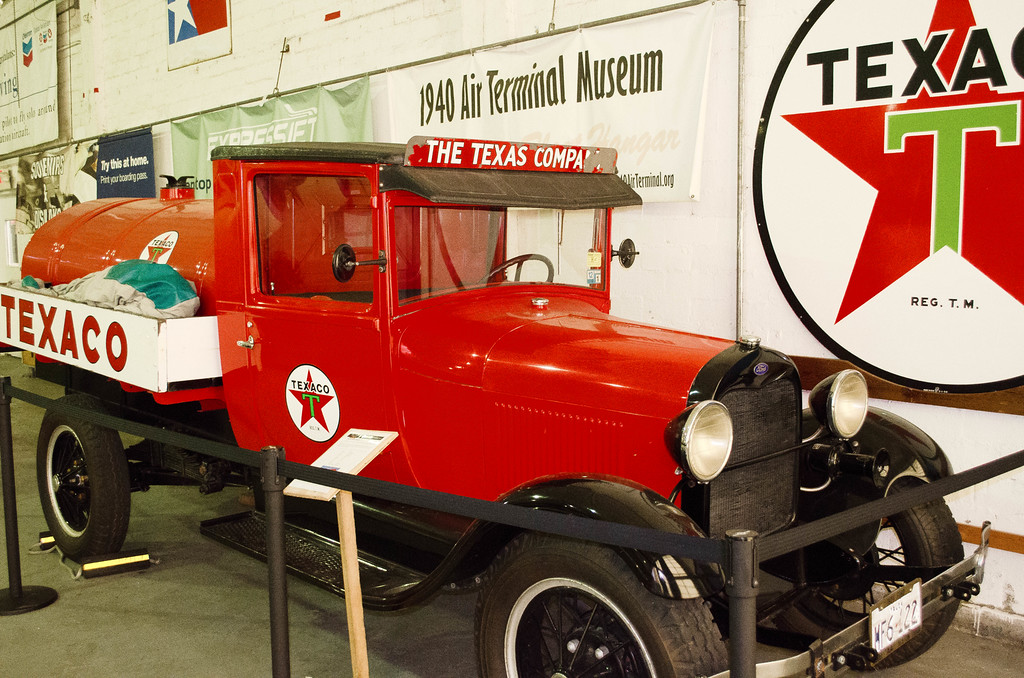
(1004,541)
(1010,401)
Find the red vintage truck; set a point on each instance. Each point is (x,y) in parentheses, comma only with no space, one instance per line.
(457,292)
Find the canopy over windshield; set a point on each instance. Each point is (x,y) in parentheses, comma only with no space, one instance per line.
(503,188)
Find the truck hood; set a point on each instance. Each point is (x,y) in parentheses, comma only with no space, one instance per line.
(568,352)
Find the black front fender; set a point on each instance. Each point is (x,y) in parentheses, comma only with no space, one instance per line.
(913,454)
(613,501)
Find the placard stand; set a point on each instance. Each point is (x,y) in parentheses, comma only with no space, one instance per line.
(353,590)
(350,454)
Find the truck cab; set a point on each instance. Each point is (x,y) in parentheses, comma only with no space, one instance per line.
(456,292)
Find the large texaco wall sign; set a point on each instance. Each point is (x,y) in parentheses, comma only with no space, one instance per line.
(889,187)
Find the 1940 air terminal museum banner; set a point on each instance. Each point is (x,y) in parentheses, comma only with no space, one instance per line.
(637,86)
(887,187)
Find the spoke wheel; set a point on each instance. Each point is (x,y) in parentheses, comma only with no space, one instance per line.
(556,608)
(69,481)
(562,627)
(926,536)
(82,473)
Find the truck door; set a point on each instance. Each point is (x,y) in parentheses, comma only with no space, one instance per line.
(315,343)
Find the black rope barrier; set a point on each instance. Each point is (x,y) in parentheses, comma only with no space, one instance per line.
(837,523)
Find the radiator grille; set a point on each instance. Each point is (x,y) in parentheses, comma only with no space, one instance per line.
(761,496)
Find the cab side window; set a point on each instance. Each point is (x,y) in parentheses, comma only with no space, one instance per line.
(301,220)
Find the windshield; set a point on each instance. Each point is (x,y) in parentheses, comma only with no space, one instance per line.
(446,249)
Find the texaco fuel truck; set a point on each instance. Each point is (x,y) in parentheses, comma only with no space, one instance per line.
(457,292)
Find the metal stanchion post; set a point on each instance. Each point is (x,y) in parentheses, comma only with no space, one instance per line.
(273,488)
(741,587)
(16,599)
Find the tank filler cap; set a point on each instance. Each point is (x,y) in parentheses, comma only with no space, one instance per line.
(177,189)
(749,342)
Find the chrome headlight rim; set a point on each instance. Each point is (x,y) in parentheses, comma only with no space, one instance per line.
(840,403)
(705,441)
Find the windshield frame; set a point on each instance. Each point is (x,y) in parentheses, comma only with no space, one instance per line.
(395,200)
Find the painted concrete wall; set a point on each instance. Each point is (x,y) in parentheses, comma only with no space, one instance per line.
(686,275)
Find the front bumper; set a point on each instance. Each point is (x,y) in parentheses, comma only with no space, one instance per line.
(851,647)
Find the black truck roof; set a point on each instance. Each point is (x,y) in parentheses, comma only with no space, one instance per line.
(504,188)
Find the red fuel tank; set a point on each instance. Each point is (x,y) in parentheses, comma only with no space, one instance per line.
(94,235)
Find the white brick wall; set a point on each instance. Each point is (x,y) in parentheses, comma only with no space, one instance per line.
(126,40)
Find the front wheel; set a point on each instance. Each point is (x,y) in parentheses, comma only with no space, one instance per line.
(925,536)
(82,474)
(556,607)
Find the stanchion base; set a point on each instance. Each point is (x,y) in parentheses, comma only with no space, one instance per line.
(32,598)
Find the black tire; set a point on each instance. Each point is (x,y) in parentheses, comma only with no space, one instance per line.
(607,624)
(82,472)
(926,536)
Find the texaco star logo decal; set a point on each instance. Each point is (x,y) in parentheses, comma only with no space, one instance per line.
(888,193)
(312,403)
(159,248)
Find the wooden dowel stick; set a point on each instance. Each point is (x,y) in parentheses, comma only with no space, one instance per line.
(353,591)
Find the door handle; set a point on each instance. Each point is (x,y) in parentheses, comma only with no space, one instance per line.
(248,343)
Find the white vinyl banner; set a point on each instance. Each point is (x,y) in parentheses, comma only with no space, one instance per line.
(637,86)
(28,74)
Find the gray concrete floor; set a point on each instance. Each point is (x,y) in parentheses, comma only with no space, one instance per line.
(202,609)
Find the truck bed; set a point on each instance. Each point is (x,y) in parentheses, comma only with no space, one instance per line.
(149,353)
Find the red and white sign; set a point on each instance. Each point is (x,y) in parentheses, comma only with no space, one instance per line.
(886,186)
(197,30)
(312,403)
(159,248)
(145,352)
(479,154)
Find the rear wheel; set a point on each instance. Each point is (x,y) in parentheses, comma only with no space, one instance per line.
(556,607)
(926,536)
(82,474)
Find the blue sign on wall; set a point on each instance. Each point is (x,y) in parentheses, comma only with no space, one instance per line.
(125,167)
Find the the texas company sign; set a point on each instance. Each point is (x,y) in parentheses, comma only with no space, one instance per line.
(889,187)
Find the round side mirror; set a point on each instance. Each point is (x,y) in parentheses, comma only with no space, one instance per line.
(626,253)
(344,262)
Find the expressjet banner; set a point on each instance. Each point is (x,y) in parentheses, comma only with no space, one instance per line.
(636,86)
(317,114)
(887,176)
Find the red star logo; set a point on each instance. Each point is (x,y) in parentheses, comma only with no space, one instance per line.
(946,163)
(312,403)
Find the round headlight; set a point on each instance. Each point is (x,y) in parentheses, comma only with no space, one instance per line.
(706,439)
(841,402)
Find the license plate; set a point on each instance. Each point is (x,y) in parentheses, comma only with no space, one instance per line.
(896,617)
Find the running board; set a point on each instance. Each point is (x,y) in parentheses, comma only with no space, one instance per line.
(315,558)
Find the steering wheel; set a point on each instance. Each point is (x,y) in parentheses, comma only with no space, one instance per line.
(518,262)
